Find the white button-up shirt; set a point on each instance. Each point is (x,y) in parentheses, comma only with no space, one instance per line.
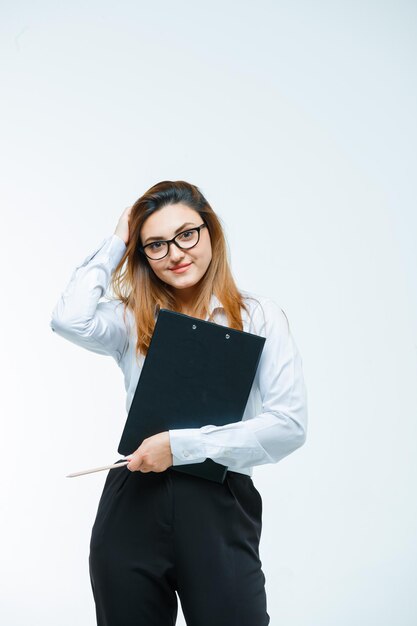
(274,423)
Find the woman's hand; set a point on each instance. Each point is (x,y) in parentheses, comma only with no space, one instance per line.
(122,228)
(153,455)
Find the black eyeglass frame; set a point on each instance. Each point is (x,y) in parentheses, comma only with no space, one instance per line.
(173,240)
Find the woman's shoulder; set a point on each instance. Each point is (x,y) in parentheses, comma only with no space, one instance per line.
(256,300)
(264,309)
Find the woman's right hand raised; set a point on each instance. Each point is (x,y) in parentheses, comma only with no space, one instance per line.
(122,228)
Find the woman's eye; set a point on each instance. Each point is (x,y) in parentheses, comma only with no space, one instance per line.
(154,246)
(184,235)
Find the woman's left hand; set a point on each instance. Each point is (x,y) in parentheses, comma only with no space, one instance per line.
(153,455)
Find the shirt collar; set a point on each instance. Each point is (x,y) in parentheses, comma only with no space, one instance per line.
(213,304)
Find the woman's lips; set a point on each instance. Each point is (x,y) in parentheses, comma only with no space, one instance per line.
(181,269)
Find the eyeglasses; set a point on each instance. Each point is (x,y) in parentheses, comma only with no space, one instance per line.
(185,240)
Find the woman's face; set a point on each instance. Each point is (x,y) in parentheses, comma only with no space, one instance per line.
(165,224)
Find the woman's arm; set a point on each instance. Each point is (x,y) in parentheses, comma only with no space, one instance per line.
(279,429)
(79,316)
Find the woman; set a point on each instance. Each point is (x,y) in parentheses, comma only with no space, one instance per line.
(159,532)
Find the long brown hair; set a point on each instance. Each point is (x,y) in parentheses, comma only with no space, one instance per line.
(138,287)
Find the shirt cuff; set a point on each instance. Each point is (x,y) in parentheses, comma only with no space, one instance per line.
(186,446)
(116,250)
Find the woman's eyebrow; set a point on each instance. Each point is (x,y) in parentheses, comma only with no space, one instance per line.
(177,231)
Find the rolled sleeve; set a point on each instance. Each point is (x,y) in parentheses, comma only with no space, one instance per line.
(79,317)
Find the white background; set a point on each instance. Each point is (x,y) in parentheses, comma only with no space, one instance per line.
(298,122)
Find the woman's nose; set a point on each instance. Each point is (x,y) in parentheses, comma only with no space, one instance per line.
(175,252)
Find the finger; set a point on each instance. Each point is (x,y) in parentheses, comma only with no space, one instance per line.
(134,464)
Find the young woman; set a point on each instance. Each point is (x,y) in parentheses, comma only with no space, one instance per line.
(159,533)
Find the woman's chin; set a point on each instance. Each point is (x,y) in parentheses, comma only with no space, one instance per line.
(184,284)
(181,280)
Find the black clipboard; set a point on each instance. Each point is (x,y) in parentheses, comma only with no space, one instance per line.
(196,373)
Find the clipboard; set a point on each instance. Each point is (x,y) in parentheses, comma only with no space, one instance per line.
(196,373)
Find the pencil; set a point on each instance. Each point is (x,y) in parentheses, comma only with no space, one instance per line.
(97,469)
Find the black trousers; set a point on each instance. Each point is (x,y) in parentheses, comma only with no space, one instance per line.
(161,533)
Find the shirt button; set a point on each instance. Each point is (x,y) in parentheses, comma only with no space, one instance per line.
(185,453)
